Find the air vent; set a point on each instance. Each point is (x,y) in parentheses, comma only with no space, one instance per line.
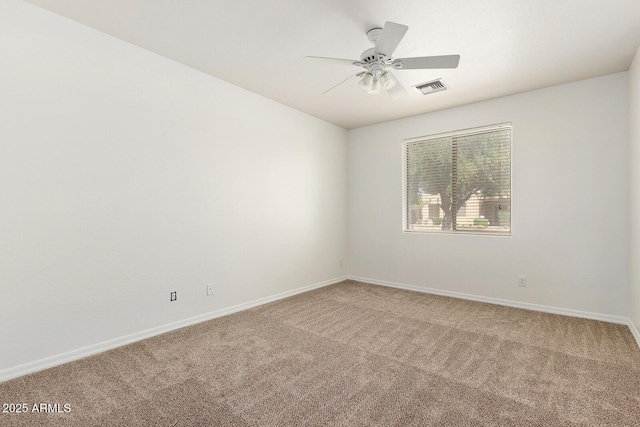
(431,87)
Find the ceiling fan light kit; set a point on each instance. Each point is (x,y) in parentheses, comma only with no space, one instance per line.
(375,87)
(367,81)
(373,82)
(376,59)
(388,80)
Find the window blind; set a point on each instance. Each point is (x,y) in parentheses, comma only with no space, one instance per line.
(459,182)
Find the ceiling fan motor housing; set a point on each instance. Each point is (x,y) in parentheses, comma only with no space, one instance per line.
(369,56)
(374,35)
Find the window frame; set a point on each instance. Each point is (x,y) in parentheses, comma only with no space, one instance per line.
(453,134)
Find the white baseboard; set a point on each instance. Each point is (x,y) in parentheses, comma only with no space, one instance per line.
(81,353)
(91,350)
(527,306)
(635,332)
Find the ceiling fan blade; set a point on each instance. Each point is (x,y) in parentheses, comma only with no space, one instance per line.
(360,73)
(426,62)
(397,91)
(391,35)
(327,61)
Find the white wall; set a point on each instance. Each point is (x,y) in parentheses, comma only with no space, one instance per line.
(569,210)
(634,179)
(125,176)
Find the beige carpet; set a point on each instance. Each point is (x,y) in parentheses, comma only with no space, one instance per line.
(353,354)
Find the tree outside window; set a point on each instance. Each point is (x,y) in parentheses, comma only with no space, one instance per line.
(470,169)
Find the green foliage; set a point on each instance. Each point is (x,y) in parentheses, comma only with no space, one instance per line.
(504,217)
(436,221)
(433,157)
(416,210)
(481,222)
(456,168)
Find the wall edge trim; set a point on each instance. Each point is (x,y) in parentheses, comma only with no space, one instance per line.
(81,353)
(634,332)
(508,303)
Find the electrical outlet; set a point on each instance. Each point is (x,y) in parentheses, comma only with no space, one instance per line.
(522,281)
(340,263)
(209,289)
(174,296)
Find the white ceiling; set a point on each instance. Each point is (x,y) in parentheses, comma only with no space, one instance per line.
(506,46)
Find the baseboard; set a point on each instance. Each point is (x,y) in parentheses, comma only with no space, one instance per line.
(50,362)
(635,332)
(515,304)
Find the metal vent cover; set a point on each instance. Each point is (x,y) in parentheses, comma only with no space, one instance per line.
(433,86)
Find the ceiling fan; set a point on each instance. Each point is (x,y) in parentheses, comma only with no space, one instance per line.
(377,59)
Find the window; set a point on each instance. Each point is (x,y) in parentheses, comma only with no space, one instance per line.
(459,182)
